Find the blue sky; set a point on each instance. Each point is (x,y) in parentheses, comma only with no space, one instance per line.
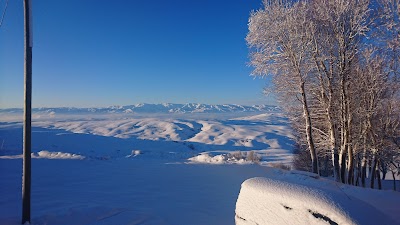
(101,53)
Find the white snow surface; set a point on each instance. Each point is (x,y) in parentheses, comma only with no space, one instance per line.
(148,169)
(267,134)
(300,198)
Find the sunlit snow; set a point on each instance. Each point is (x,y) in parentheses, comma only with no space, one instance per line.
(157,168)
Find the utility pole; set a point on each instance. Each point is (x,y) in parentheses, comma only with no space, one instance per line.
(26,173)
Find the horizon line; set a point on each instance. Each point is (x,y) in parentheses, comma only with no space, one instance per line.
(118,105)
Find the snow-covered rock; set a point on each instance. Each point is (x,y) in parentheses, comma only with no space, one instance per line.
(294,198)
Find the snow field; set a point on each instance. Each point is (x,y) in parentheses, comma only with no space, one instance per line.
(134,191)
(212,140)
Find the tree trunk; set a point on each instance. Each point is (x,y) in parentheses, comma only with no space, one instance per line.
(310,141)
(364,164)
(358,170)
(394,181)
(350,151)
(363,171)
(329,113)
(326,169)
(344,151)
(350,176)
(384,170)
(333,146)
(373,171)
(378,176)
(344,109)
(342,159)
(343,148)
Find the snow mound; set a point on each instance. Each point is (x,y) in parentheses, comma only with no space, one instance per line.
(229,158)
(134,153)
(206,158)
(301,199)
(56,155)
(46,155)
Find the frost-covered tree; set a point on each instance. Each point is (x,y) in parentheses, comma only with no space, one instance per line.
(335,64)
(280,47)
(373,111)
(340,27)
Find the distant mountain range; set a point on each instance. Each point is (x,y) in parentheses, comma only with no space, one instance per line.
(153,108)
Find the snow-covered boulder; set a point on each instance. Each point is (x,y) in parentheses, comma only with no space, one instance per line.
(293,198)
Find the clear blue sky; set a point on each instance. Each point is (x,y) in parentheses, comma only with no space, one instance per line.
(90,53)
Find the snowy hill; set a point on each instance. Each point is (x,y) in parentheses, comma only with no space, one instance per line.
(153,108)
(267,134)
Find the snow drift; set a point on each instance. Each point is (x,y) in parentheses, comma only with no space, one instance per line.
(237,157)
(56,155)
(46,155)
(289,198)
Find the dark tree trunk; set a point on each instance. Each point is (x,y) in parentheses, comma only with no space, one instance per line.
(394,181)
(358,170)
(373,171)
(343,168)
(350,175)
(364,164)
(384,170)
(378,177)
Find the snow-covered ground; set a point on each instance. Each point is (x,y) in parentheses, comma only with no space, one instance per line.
(179,138)
(138,168)
(123,191)
(134,169)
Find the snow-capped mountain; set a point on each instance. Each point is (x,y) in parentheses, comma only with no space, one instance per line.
(154,108)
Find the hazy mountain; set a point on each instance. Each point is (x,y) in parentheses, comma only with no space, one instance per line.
(153,108)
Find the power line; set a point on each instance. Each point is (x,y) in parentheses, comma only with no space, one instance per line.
(4,13)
